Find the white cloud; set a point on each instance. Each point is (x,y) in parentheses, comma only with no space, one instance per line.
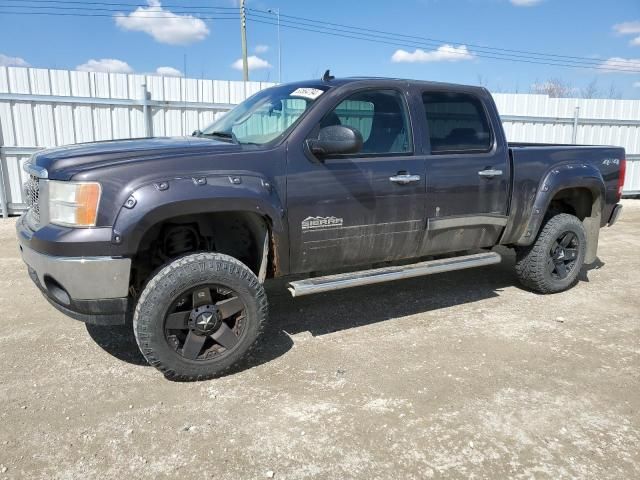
(261,48)
(619,65)
(163,25)
(525,3)
(444,53)
(627,28)
(254,63)
(113,65)
(109,65)
(7,61)
(168,72)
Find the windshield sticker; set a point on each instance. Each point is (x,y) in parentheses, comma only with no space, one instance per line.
(310,93)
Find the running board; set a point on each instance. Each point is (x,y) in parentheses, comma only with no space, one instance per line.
(385,274)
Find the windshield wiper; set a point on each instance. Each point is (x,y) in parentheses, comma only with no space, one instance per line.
(226,135)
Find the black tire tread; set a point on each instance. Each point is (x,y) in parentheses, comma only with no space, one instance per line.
(142,336)
(530,260)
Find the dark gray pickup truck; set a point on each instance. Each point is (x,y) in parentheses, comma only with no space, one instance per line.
(337,182)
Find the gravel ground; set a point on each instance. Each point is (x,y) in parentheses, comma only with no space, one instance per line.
(460,375)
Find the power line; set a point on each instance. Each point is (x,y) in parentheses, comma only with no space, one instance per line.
(317,26)
(116,10)
(350,29)
(322,24)
(439,41)
(57,14)
(143,5)
(487,53)
(494,57)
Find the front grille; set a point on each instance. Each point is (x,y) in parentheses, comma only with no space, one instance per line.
(32,194)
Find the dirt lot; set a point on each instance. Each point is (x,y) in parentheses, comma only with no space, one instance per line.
(461,375)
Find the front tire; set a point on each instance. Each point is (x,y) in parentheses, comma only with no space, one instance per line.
(552,264)
(199,315)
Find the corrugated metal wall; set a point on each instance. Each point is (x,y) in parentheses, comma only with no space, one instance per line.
(44,108)
(538,118)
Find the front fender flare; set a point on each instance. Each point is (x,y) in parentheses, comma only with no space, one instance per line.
(152,203)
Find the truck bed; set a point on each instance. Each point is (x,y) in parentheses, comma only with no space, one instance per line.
(534,164)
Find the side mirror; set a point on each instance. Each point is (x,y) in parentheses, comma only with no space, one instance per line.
(196,133)
(336,140)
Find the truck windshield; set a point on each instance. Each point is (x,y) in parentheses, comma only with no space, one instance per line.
(264,116)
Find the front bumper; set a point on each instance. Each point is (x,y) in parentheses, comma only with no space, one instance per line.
(91,289)
(615,215)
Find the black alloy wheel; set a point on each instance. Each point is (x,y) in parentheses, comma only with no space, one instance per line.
(204,322)
(563,255)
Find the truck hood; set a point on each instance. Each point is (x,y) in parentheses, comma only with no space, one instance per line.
(63,163)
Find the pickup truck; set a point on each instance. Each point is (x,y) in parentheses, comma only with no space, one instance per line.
(333,183)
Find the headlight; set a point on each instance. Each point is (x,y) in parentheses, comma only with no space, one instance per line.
(74,204)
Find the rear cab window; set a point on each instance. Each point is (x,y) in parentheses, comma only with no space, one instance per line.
(457,123)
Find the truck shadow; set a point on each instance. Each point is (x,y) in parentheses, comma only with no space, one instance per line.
(355,307)
(344,309)
(584,273)
(117,341)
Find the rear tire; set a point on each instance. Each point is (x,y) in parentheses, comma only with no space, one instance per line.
(199,315)
(553,262)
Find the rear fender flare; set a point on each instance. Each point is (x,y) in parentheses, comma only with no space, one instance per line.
(560,178)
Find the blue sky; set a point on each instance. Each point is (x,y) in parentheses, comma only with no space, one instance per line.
(590,29)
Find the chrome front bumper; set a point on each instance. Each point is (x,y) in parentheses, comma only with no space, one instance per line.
(92,289)
(83,278)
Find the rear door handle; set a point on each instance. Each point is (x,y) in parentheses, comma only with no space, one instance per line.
(490,173)
(404,178)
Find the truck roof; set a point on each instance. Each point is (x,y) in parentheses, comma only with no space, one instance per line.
(336,82)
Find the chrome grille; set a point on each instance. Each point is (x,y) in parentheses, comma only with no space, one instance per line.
(32,194)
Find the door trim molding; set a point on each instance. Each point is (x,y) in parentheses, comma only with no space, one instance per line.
(365,230)
(441,223)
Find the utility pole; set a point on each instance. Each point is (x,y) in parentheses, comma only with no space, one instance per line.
(276,11)
(574,133)
(243,31)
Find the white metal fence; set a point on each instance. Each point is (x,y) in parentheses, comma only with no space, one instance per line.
(538,118)
(44,108)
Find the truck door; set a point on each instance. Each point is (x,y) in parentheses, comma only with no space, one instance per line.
(467,172)
(361,208)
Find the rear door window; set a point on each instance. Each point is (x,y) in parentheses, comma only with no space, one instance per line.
(457,123)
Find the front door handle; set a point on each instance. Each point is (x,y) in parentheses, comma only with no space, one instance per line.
(404,178)
(490,173)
